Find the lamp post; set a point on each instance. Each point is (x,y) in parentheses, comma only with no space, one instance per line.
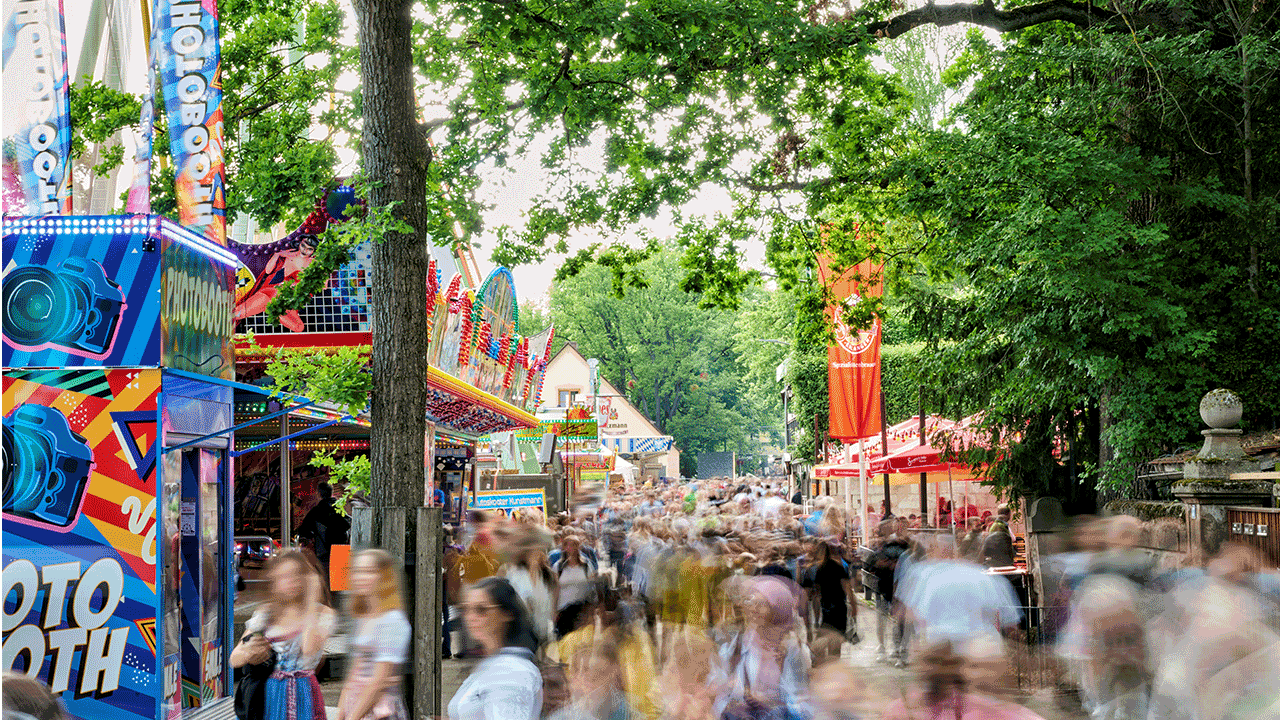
(594,364)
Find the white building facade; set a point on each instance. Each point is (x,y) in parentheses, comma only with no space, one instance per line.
(623,429)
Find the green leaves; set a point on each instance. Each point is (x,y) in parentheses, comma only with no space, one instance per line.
(339,376)
(678,362)
(1076,249)
(334,250)
(353,474)
(98,113)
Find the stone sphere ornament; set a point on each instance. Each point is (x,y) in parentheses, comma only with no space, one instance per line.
(1221,409)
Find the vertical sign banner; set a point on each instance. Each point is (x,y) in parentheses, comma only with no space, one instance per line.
(853,361)
(186,33)
(37,118)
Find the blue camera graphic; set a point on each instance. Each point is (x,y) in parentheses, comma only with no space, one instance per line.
(72,307)
(46,466)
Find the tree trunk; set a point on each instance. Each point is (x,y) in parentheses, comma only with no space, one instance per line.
(396,157)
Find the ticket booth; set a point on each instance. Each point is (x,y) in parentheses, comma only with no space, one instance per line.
(117,410)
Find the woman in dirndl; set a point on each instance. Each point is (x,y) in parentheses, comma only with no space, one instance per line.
(295,624)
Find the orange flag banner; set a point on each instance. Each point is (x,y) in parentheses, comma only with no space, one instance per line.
(853,360)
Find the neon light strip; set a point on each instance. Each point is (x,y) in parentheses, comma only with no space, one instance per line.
(120,225)
(182,235)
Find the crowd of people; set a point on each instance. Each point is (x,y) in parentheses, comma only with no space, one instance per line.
(727,601)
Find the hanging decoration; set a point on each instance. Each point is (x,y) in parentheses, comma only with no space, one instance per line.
(853,375)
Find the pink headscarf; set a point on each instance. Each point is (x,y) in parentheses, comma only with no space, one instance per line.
(780,596)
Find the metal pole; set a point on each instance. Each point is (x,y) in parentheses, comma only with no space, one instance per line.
(848,498)
(286,485)
(884,451)
(924,477)
(862,495)
(951,490)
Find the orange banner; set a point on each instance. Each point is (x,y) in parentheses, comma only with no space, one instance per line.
(853,361)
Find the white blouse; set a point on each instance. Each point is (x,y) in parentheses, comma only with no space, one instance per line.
(506,686)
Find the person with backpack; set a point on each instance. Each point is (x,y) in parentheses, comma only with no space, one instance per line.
(883,564)
(323,527)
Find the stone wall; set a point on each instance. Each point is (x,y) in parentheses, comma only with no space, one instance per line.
(1164,524)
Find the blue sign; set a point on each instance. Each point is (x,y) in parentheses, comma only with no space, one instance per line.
(510,499)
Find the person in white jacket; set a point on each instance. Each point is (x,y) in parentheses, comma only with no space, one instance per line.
(531,575)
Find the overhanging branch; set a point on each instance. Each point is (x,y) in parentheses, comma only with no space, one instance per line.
(986,14)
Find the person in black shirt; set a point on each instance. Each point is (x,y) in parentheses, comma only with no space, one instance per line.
(324,527)
(829,578)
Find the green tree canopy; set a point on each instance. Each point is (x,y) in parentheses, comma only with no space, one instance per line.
(678,363)
(280,66)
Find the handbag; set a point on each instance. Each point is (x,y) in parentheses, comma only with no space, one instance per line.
(251,689)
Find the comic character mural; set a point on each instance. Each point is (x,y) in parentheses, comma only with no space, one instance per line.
(80,553)
(264,268)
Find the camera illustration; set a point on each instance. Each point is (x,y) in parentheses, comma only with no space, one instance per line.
(46,466)
(72,307)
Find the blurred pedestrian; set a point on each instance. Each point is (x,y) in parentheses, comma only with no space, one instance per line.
(323,527)
(25,698)
(507,684)
(295,625)
(945,694)
(830,580)
(534,581)
(380,642)
(575,577)
(596,689)
(890,625)
(766,665)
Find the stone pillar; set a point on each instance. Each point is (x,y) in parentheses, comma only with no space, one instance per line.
(1045,521)
(1207,487)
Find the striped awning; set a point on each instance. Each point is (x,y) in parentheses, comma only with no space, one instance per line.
(633,444)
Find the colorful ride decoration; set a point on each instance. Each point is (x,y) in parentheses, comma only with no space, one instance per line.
(37,117)
(485,375)
(117,349)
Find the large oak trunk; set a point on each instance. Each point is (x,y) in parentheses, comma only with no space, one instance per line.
(395,160)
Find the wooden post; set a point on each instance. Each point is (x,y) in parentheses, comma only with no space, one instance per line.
(428,617)
(417,535)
